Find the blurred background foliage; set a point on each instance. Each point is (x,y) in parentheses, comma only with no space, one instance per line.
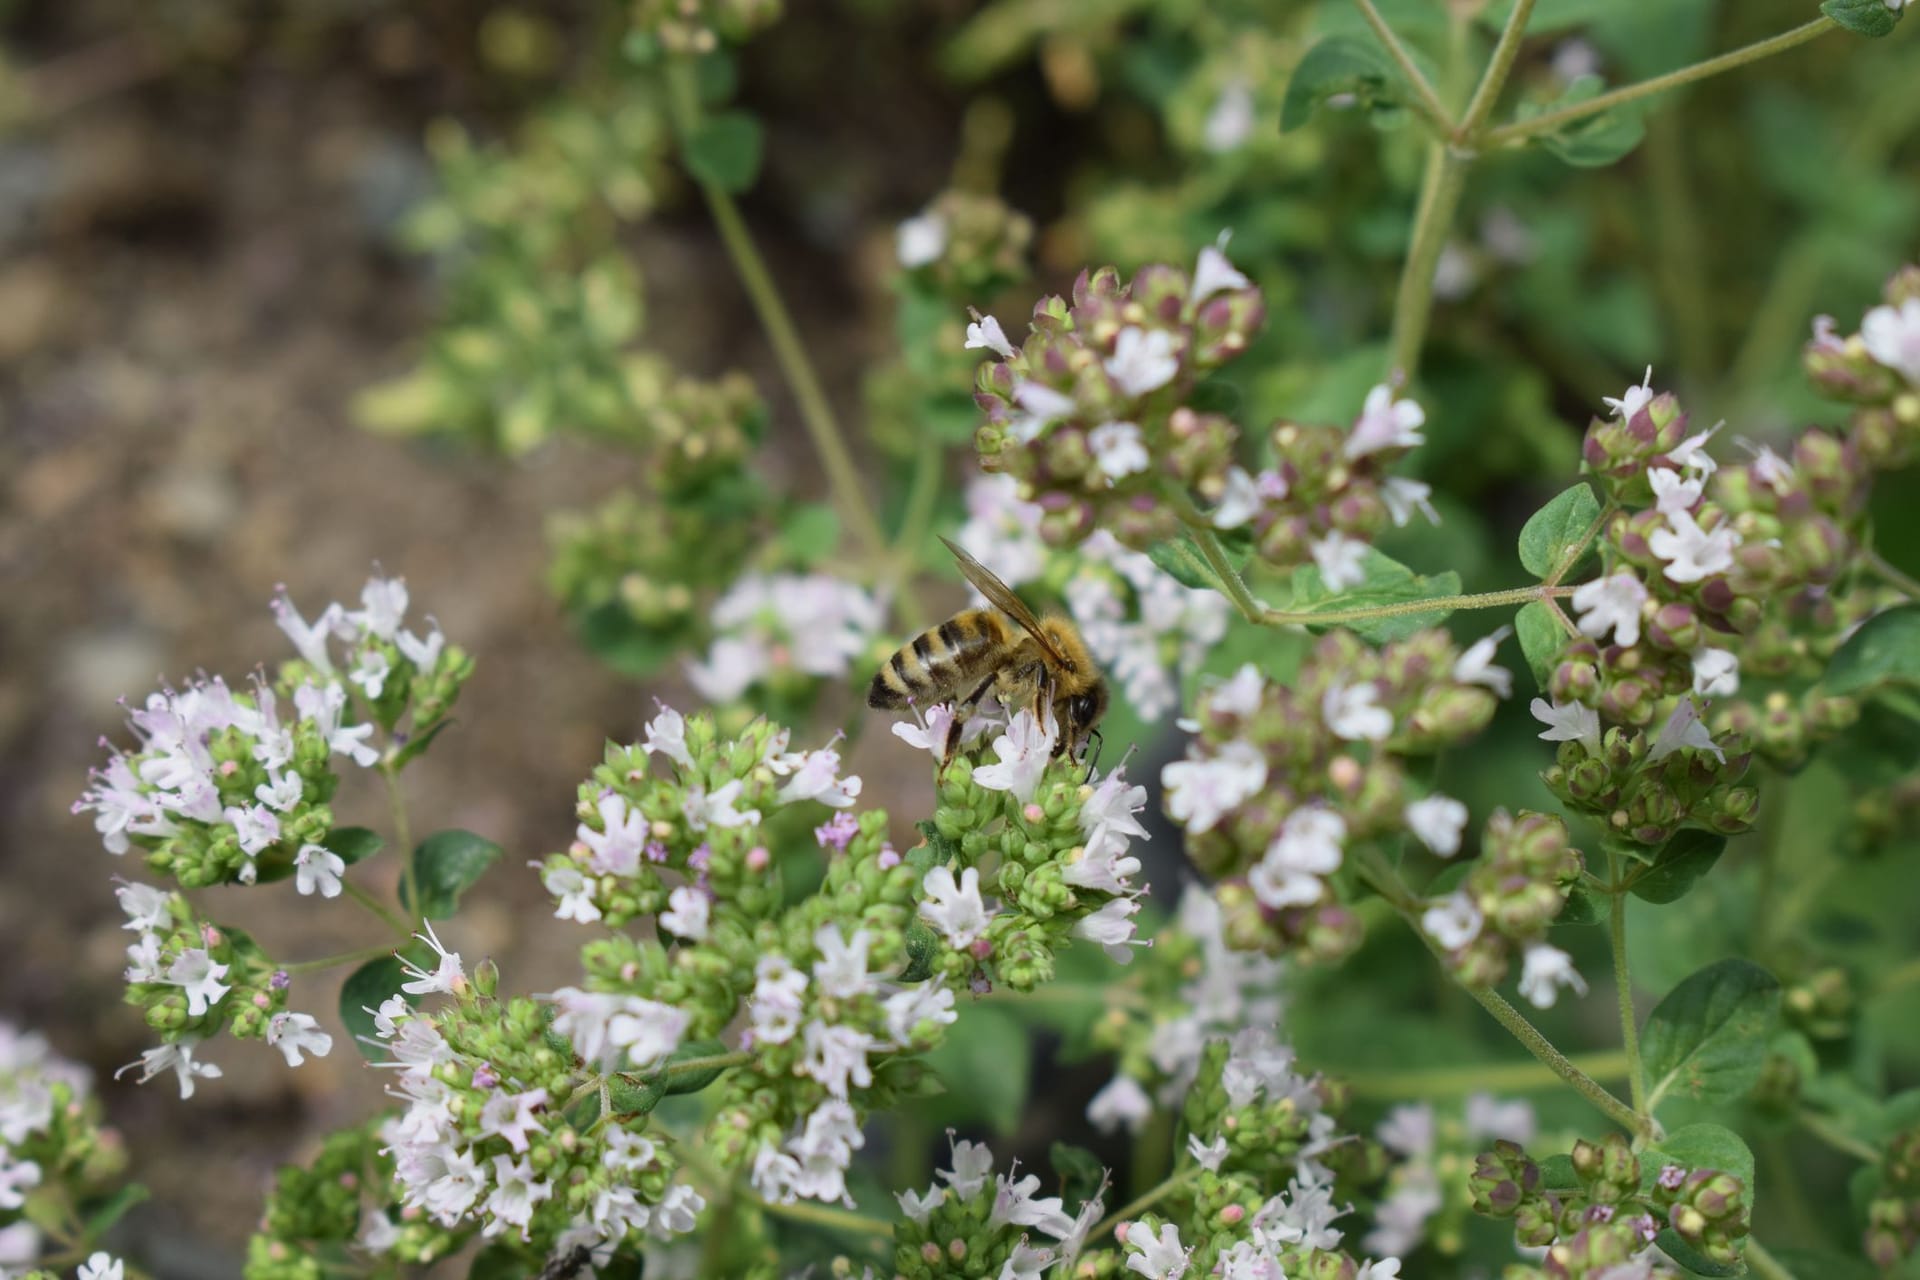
(531,196)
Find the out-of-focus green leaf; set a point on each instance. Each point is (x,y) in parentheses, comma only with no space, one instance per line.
(445,865)
(1593,141)
(986,1063)
(725,151)
(1541,639)
(1343,67)
(1862,17)
(1885,650)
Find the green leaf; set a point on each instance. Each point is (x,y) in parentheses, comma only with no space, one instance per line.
(990,1059)
(1681,861)
(1080,1171)
(1344,65)
(1387,582)
(1862,17)
(676,1081)
(923,948)
(613,635)
(446,865)
(1824,1263)
(1541,640)
(100,1218)
(1584,907)
(1885,650)
(1180,559)
(1555,530)
(725,151)
(365,990)
(354,844)
(1700,1146)
(502,1262)
(1593,141)
(1707,1040)
(810,532)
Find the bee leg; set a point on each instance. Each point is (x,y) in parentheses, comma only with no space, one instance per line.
(961,713)
(1092,757)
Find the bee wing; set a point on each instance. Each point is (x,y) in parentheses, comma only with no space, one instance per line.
(1001,597)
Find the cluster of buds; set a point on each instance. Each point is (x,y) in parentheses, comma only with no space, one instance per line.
(785,633)
(1644,786)
(525,1116)
(339,1200)
(1091,415)
(1608,1214)
(965,245)
(644,561)
(1034,829)
(1893,1213)
(975,1222)
(1696,556)
(1280,780)
(1426,1200)
(191,978)
(1250,1238)
(1252,1118)
(53,1150)
(1511,894)
(691,433)
(699,26)
(1878,371)
(230,787)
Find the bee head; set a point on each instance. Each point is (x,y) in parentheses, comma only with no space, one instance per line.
(1084,711)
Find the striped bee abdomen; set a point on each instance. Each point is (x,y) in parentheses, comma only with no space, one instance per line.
(939,663)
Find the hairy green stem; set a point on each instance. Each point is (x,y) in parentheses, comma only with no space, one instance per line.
(821,1215)
(1839,1139)
(1764,1264)
(1140,1204)
(403,837)
(796,367)
(1440,190)
(1499,67)
(358,956)
(1446,1082)
(1549,122)
(1381,875)
(386,913)
(1893,575)
(1399,609)
(1623,986)
(1427,102)
(712,1062)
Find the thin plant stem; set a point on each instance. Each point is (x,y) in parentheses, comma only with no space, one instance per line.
(1677,244)
(379,908)
(1837,1138)
(1499,67)
(1440,190)
(1376,870)
(712,1062)
(1764,1264)
(821,1215)
(816,412)
(403,836)
(1232,585)
(1549,122)
(1140,1204)
(1623,985)
(1506,1077)
(1426,100)
(1399,609)
(1893,575)
(922,495)
(359,956)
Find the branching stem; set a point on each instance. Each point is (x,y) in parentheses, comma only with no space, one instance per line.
(403,837)
(1427,102)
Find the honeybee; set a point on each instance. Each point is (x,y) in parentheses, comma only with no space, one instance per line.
(1024,661)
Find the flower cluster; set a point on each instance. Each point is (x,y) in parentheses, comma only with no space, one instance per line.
(1893,1209)
(1701,560)
(1280,781)
(339,1200)
(1091,415)
(1327,494)
(1032,828)
(973,1221)
(50,1141)
(191,978)
(1510,894)
(1601,1214)
(699,26)
(1147,630)
(1426,1200)
(787,631)
(230,787)
(1193,988)
(965,244)
(646,563)
(1878,370)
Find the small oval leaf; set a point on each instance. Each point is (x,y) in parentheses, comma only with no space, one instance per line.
(446,865)
(1885,650)
(1552,534)
(1681,861)
(1707,1040)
